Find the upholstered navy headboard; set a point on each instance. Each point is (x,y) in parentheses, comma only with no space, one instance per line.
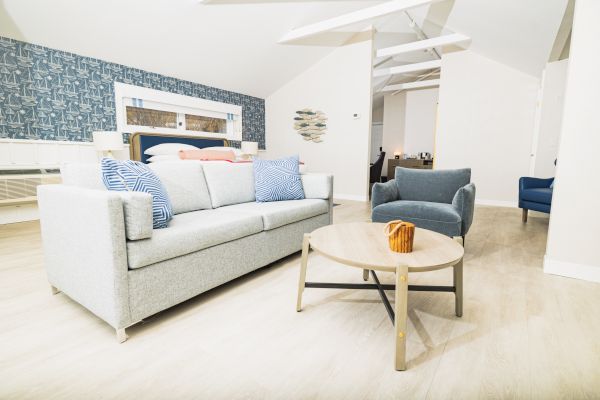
(140,141)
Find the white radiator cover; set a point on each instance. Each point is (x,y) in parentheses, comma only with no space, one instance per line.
(29,160)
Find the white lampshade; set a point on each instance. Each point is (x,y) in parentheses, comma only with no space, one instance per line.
(250,148)
(108,141)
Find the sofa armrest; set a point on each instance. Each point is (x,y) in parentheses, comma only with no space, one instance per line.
(317,186)
(384,193)
(464,202)
(528,182)
(137,210)
(83,235)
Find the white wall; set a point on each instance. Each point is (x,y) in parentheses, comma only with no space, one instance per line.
(339,85)
(420,120)
(393,124)
(551,112)
(573,236)
(486,122)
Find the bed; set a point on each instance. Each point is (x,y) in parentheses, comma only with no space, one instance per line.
(141,141)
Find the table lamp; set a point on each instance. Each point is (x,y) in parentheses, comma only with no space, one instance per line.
(107,142)
(250,149)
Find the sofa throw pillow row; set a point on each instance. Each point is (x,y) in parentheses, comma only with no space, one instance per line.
(277,180)
(135,176)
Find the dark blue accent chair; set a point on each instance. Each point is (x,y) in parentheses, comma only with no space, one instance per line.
(535,194)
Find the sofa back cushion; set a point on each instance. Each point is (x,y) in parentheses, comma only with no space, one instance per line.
(438,186)
(185,184)
(229,183)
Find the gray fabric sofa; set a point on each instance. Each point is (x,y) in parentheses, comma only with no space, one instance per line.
(439,200)
(101,251)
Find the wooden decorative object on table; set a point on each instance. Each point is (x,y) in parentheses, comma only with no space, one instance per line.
(400,235)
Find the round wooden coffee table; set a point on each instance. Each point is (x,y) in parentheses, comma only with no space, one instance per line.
(364,245)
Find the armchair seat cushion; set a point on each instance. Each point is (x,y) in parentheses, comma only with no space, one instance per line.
(190,232)
(537,195)
(439,217)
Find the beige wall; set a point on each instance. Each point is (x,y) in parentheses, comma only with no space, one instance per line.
(394,108)
(486,122)
(340,86)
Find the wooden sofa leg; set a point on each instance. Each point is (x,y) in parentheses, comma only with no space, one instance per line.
(54,290)
(365,274)
(525,215)
(121,335)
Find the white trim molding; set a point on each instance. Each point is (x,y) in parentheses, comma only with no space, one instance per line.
(453,38)
(496,203)
(352,197)
(402,69)
(412,85)
(589,273)
(341,21)
(128,95)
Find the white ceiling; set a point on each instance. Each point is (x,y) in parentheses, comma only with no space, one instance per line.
(233,44)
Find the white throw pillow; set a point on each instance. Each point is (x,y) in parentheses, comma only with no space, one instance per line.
(166,157)
(165,149)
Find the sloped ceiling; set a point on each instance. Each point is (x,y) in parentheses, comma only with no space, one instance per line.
(518,33)
(229,46)
(233,44)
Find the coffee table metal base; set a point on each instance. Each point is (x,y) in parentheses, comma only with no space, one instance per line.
(380,288)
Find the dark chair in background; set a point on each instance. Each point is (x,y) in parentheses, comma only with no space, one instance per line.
(375,171)
(535,194)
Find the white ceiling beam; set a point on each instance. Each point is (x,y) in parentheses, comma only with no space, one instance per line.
(352,18)
(402,69)
(453,38)
(412,85)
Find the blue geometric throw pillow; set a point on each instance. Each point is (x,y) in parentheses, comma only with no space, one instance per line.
(134,176)
(277,180)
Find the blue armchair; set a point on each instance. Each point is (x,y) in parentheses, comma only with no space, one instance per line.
(442,200)
(535,194)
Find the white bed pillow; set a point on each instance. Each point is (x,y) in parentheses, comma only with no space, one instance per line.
(165,149)
(165,157)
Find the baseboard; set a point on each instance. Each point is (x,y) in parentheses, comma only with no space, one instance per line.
(353,197)
(572,270)
(496,203)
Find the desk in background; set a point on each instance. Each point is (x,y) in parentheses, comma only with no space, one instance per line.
(408,163)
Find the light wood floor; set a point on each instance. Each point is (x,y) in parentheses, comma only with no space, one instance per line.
(524,334)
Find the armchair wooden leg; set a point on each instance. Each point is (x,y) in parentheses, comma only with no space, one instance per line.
(525,215)
(54,290)
(121,335)
(365,275)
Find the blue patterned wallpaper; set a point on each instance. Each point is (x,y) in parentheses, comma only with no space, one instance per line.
(54,95)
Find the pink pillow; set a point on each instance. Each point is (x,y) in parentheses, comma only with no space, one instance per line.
(203,154)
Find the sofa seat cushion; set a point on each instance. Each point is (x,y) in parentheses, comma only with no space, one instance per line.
(190,232)
(537,195)
(438,217)
(279,213)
